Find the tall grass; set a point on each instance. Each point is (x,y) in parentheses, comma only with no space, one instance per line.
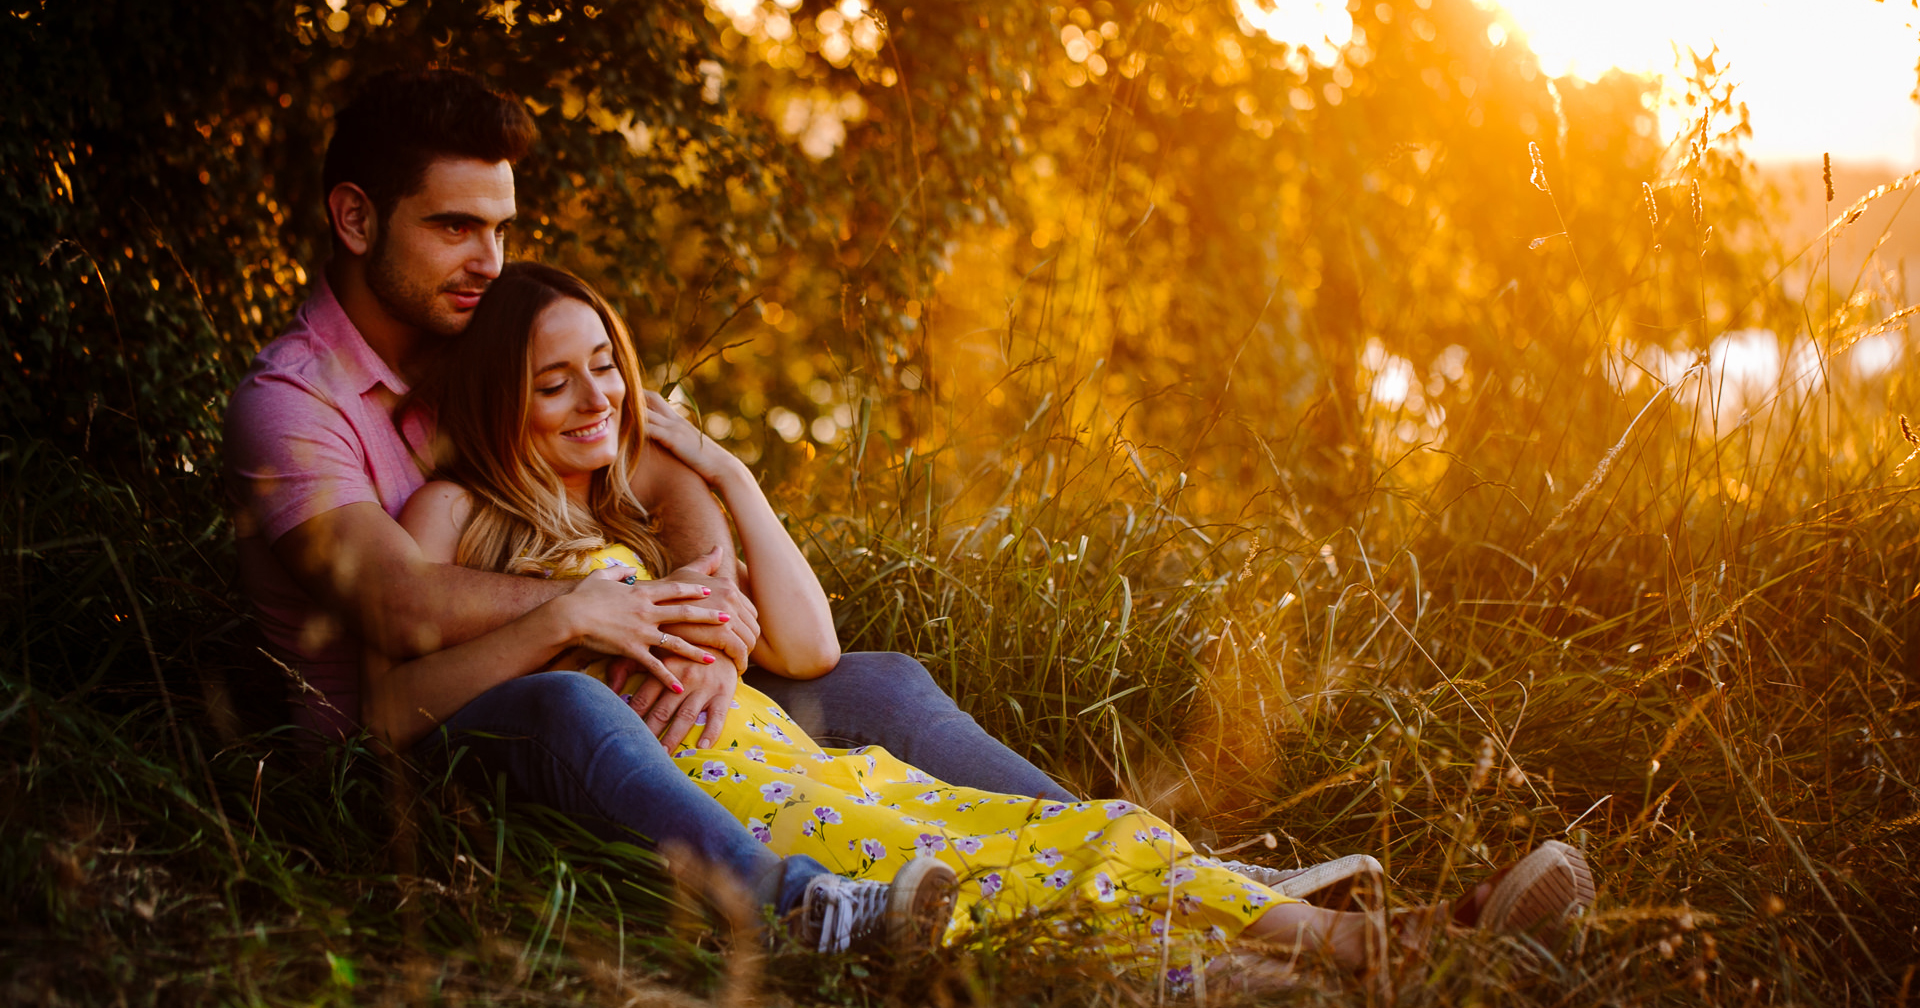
(1676,632)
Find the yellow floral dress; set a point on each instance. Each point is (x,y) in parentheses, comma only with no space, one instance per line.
(863,813)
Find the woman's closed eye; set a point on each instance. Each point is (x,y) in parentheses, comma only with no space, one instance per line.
(550,390)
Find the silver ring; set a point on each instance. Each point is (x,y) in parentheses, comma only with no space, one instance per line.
(662,642)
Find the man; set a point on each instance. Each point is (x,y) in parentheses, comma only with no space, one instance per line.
(419,184)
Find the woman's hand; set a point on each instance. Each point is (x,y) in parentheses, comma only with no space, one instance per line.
(612,617)
(678,435)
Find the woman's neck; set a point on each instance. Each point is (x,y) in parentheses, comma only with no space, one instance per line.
(579,490)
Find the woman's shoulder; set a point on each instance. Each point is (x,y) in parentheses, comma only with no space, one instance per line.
(436,515)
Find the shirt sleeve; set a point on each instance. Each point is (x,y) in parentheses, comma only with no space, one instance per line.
(291,455)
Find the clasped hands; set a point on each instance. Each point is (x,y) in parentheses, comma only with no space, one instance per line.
(693,665)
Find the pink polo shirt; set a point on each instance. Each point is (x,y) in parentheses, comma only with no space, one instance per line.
(310,429)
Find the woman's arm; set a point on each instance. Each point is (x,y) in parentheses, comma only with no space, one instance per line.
(797,639)
(402,702)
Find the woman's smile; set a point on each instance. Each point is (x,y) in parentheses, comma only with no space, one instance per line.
(591,432)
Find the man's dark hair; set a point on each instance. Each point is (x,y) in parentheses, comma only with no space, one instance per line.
(404,120)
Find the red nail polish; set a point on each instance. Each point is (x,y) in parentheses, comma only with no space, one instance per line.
(724,617)
(704,592)
(676,688)
(706,659)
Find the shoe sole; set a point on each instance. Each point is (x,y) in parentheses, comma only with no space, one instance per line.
(1355,870)
(1544,888)
(919,904)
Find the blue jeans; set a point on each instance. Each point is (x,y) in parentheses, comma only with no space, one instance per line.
(564,740)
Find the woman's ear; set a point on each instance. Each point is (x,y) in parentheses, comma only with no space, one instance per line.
(355,221)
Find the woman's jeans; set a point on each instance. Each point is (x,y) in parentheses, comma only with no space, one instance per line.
(566,741)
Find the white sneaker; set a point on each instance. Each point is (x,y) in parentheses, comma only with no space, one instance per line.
(908,914)
(1330,881)
(1538,892)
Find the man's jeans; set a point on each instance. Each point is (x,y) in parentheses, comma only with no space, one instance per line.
(566,741)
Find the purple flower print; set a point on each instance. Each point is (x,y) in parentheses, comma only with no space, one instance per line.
(917,777)
(873,849)
(1159,834)
(967,845)
(733,705)
(1116,809)
(826,815)
(1092,835)
(700,718)
(872,764)
(807,828)
(867,797)
(1049,857)
(774,730)
(1188,903)
(857,750)
(713,770)
(1159,927)
(930,843)
(739,778)
(1059,879)
(1217,933)
(929,797)
(1179,978)
(1082,806)
(1052,810)
(1180,874)
(821,757)
(1256,898)
(776,792)
(1140,835)
(1104,889)
(990,884)
(760,831)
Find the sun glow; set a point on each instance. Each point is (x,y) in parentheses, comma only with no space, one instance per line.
(1818,75)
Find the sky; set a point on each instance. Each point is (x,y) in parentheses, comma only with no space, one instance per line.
(1817,75)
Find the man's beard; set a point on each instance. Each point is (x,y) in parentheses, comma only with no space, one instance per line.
(407,301)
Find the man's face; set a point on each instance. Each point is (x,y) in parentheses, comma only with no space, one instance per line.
(437,250)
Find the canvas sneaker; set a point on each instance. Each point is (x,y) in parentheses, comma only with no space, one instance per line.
(906,915)
(1534,894)
(1328,884)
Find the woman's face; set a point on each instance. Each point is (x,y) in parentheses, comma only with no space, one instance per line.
(574,398)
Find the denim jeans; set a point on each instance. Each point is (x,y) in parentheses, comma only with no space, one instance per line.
(564,740)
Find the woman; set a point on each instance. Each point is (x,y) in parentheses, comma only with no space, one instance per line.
(542,424)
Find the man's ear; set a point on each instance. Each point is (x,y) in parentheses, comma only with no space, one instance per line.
(355,222)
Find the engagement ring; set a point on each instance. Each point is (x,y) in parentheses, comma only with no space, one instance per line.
(662,642)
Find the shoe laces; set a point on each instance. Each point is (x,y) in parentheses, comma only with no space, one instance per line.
(840,910)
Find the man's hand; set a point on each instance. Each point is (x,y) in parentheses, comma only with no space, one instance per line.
(708,698)
(735,637)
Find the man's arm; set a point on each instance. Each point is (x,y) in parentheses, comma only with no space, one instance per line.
(361,565)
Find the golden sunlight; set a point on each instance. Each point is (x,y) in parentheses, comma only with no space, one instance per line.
(1820,76)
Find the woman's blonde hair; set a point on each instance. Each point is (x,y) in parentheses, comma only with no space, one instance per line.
(522,521)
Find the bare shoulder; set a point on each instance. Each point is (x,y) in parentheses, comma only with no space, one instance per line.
(435,515)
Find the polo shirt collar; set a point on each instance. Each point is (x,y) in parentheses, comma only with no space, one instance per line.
(363,368)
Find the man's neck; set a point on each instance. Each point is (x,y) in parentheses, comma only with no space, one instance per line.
(396,343)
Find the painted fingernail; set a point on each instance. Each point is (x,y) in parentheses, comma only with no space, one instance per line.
(706,659)
(628,697)
(724,617)
(676,687)
(704,592)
